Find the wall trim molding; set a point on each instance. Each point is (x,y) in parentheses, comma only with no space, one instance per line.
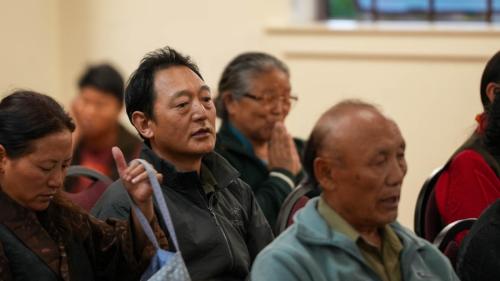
(386,29)
(371,56)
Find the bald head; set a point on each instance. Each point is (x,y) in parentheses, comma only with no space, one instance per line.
(358,159)
(341,123)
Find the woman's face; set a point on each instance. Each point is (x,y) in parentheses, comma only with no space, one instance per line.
(33,179)
(255,117)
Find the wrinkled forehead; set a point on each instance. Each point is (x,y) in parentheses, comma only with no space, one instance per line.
(394,130)
(371,135)
(272,79)
(57,145)
(354,130)
(384,138)
(174,79)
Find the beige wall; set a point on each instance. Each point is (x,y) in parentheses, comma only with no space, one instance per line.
(211,32)
(426,79)
(29,48)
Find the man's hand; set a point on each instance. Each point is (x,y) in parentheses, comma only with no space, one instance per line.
(282,151)
(136,181)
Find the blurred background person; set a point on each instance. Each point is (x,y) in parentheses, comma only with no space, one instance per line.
(96,110)
(470,180)
(255,96)
(43,236)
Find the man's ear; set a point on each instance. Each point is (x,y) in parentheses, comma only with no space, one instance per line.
(323,173)
(491,90)
(3,159)
(143,124)
(229,103)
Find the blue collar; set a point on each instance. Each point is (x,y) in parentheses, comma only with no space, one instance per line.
(247,145)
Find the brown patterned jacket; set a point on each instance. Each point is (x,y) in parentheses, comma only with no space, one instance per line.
(33,247)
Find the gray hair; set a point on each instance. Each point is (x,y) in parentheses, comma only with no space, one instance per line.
(236,77)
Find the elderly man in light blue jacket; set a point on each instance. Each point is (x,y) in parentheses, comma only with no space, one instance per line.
(356,154)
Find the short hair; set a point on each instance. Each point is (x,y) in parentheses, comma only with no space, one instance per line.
(26,116)
(140,92)
(237,74)
(491,73)
(105,78)
(322,129)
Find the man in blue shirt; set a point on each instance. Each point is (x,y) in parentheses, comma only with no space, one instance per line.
(356,155)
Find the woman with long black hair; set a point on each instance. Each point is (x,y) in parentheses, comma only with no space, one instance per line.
(43,236)
(470,181)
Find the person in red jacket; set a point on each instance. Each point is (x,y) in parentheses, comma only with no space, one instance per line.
(470,181)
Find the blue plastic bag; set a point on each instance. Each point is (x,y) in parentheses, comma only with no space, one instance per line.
(165,265)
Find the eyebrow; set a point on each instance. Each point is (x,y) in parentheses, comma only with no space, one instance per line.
(55,161)
(386,151)
(272,90)
(187,92)
(403,145)
(383,152)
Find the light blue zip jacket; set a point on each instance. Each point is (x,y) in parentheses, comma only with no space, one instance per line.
(310,250)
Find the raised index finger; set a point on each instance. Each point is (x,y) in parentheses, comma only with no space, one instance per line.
(120,162)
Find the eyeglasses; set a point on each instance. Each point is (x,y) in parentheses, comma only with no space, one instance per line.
(272,100)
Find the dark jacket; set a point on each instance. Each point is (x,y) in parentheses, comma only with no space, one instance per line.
(34,248)
(479,254)
(270,191)
(219,233)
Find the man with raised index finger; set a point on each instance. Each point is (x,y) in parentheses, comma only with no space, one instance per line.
(219,225)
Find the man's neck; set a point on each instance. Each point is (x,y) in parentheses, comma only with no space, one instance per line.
(182,163)
(369,233)
(187,166)
(103,141)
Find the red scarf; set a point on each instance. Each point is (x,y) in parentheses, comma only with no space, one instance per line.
(481,122)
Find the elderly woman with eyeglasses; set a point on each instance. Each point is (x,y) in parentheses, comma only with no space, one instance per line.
(254,99)
(43,236)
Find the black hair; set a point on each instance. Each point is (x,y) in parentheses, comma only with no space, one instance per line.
(309,154)
(491,137)
(491,73)
(235,78)
(26,116)
(105,78)
(140,92)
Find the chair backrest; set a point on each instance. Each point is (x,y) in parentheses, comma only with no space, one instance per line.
(292,203)
(427,220)
(87,197)
(445,241)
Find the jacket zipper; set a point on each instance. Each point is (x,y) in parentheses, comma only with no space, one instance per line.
(211,209)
